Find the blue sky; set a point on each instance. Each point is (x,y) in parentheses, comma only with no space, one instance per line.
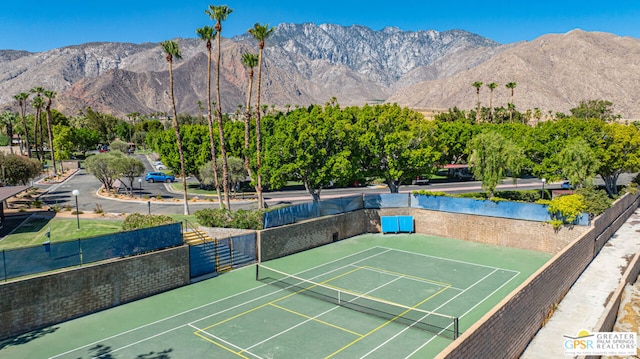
(42,25)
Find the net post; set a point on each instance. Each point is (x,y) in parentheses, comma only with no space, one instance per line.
(257,273)
(456,333)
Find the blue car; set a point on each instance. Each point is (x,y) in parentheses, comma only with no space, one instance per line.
(566,185)
(159,177)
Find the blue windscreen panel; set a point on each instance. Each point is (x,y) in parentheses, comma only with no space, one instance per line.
(389,224)
(405,224)
(396,224)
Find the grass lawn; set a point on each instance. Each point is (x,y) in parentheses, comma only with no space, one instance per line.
(33,231)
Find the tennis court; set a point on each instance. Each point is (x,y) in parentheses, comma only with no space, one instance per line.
(375,296)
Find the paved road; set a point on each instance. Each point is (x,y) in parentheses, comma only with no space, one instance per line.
(88,200)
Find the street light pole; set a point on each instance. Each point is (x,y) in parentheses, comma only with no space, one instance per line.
(75,194)
(542,194)
(140,183)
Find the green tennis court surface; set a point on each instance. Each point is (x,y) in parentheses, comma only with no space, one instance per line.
(410,288)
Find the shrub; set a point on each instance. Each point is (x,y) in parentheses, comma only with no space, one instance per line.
(566,209)
(597,201)
(247,219)
(218,217)
(224,218)
(529,196)
(137,220)
(98,209)
(424,192)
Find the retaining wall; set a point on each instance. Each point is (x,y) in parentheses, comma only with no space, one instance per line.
(515,233)
(37,302)
(293,238)
(508,328)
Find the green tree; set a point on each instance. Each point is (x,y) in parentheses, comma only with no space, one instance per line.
(63,141)
(600,109)
(206,34)
(16,169)
(395,144)
(492,158)
(119,145)
(220,14)
(85,139)
(452,139)
(477,85)
(618,152)
(105,167)
(261,33)
(8,118)
(511,86)
(308,145)
(578,163)
(237,173)
(129,168)
(172,51)
(22,102)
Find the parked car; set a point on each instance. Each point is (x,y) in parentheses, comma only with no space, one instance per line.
(159,177)
(418,180)
(161,167)
(566,185)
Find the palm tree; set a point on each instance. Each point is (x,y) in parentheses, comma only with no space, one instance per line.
(37,104)
(219,14)
(50,95)
(477,85)
(250,61)
(172,51)
(260,33)
(7,118)
(491,87)
(22,102)
(208,33)
(511,86)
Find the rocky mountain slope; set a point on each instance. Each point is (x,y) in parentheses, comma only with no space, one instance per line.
(308,63)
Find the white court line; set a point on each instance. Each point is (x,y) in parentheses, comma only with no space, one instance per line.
(409,277)
(442,305)
(323,313)
(203,306)
(448,259)
(467,312)
(224,341)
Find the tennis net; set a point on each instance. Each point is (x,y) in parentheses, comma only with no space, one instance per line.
(432,322)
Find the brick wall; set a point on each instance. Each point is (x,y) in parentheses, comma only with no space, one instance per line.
(508,328)
(285,240)
(506,232)
(37,302)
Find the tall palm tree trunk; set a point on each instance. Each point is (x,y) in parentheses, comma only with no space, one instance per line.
(259,137)
(247,120)
(223,150)
(176,127)
(50,133)
(35,132)
(214,160)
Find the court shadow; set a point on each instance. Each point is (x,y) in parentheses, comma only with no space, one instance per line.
(153,355)
(27,337)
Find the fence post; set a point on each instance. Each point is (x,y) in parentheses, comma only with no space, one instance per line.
(4,267)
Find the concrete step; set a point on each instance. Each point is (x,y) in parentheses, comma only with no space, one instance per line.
(196,237)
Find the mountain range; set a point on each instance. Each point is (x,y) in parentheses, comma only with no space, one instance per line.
(308,63)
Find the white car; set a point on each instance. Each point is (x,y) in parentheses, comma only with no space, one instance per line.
(161,167)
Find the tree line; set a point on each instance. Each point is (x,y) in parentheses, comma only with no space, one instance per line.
(327,145)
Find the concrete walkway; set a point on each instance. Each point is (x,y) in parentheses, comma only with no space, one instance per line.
(583,305)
